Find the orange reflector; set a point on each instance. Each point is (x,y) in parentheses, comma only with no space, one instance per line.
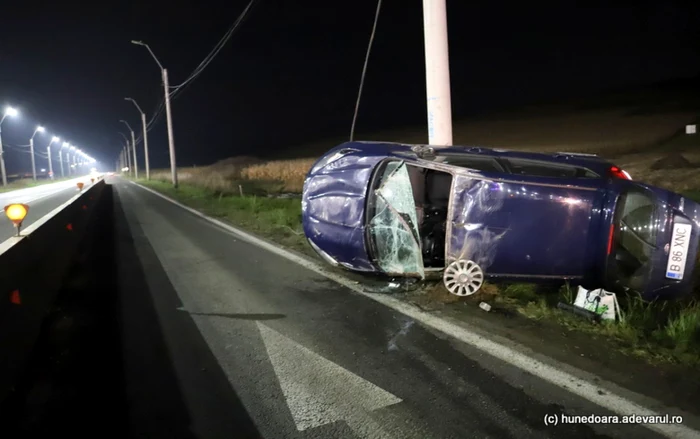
(14,298)
(92,180)
(80,185)
(16,212)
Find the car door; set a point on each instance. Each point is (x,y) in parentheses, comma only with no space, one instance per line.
(524,226)
(392,223)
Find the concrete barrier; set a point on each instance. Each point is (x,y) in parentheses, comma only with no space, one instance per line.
(32,268)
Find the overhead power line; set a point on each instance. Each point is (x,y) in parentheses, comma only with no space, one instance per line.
(158,112)
(215,51)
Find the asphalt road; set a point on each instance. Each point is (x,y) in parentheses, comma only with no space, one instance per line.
(223,339)
(41,200)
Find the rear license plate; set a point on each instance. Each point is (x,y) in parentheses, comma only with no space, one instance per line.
(678,253)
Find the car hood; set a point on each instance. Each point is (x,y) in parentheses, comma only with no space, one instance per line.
(333,207)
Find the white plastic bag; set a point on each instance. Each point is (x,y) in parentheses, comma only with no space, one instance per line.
(599,301)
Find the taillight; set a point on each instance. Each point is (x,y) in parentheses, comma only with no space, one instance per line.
(611,235)
(616,172)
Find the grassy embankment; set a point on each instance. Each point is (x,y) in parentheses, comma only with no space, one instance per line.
(245,192)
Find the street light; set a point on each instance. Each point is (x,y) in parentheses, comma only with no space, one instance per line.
(48,154)
(133,148)
(166,88)
(126,151)
(75,159)
(145,137)
(60,156)
(39,129)
(9,111)
(70,166)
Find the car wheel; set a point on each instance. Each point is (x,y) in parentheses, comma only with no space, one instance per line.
(463,277)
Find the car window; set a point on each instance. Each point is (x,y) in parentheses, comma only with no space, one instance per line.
(536,168)
(485,164)
(635,238)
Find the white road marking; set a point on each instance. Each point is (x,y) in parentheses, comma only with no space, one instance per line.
(598,394)
(32,194)
(320,392)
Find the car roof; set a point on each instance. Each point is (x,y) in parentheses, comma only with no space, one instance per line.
(595,163)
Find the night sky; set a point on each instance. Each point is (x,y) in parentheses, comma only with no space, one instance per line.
(290,73)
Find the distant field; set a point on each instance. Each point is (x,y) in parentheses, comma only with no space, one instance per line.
(607,132)
(633,141)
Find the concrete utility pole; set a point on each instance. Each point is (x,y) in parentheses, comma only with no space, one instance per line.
(437,73)
(128,158)
(145,137)
(38,129)
(126,152)
(48,154)
(60,157)
(169,118)
(171,141)
(133,148)
(9,111)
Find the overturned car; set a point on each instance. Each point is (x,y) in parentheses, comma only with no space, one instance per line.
(476,213)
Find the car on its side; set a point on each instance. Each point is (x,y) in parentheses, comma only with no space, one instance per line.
(476,213)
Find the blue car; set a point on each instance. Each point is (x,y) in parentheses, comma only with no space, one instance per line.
(474,213)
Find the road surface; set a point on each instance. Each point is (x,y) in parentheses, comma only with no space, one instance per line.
(223,339)
(41,200)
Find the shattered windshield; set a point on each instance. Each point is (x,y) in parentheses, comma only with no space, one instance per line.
(393,226)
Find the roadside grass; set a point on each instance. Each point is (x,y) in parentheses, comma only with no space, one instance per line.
(659,331)
(28,182)
(278,219)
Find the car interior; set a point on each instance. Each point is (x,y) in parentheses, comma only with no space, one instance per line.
(516,166)
(431,194)
(634,242)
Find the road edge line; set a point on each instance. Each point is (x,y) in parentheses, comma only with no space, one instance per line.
(599,394)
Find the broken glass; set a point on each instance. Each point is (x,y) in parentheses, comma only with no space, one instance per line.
(394,227)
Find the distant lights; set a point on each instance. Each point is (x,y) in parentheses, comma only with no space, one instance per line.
(10,111)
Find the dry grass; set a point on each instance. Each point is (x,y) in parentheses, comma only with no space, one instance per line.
(289,172)
(253,177)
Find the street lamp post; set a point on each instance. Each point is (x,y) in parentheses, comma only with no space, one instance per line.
(133,148)
(48,154)
(166,88)
(38,129)
(145,137)
(70,167)
(60,156)
(126,151)
(9,111)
